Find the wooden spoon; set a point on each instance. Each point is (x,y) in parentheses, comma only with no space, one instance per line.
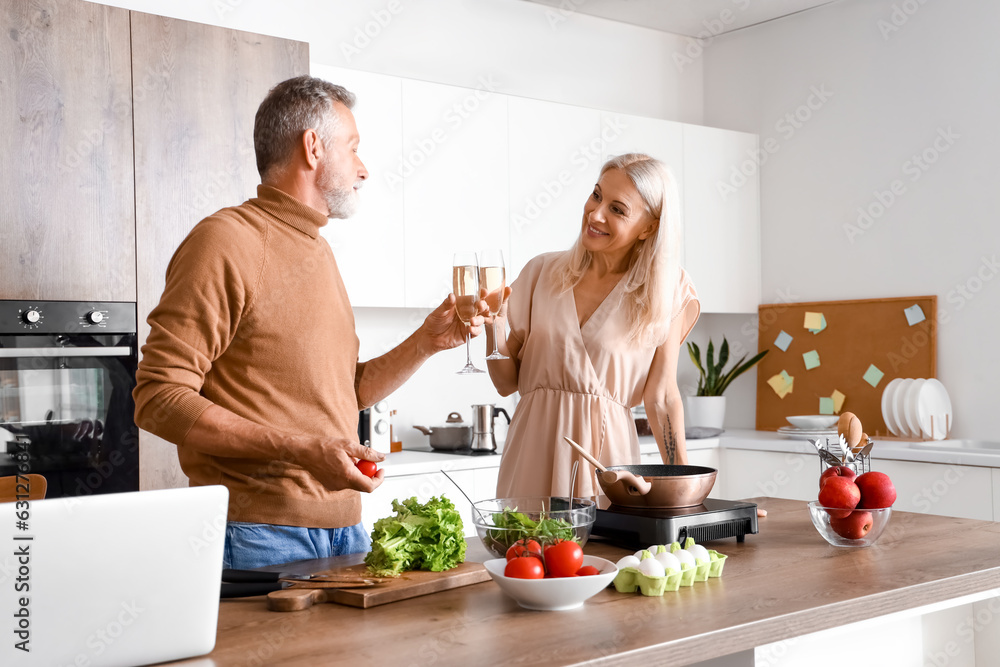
(639,484)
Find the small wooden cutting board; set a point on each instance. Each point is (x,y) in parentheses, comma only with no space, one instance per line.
(410,585)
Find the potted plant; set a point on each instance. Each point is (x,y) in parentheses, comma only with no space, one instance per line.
(708,406)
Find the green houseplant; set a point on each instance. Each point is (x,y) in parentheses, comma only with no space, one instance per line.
(708,406)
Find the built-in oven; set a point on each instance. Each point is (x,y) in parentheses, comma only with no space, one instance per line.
(67,370)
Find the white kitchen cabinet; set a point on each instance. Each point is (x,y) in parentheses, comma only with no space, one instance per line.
(369,245)
(996,493)
(484,485)
(941,488)
(722,218)
(662,139)
(555,155)
(752,473)
(454,181)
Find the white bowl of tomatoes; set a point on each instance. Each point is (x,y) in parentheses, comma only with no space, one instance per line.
(563,579)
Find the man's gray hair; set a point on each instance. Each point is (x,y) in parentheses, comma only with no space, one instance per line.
(291,108)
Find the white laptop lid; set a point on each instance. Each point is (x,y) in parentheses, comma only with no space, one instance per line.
(118,579)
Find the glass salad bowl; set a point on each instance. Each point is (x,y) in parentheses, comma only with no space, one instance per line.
(849,528)
(500,522)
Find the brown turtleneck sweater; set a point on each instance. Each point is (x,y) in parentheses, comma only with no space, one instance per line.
(255,318)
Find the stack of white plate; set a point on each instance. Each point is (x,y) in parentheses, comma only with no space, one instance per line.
(917,408)
(810,427)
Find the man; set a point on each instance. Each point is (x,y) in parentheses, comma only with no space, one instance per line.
(251,365)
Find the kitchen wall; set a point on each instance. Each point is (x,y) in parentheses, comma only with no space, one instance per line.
(518,48)
(881,117)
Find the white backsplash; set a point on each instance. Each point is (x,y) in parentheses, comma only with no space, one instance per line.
(435,389)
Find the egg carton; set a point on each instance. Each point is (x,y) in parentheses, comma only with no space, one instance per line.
(630,579)
(836,452)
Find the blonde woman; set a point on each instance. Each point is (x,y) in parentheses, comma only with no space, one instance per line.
(594,331)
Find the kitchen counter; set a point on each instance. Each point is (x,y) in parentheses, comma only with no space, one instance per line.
(781,583)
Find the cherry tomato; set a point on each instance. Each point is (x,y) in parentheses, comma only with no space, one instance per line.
(524,548)
(367,468)
(524,567)
(587,571)
(563,558)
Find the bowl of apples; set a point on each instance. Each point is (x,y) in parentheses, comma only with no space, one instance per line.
(852,510)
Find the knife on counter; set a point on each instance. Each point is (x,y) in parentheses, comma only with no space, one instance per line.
(248,583)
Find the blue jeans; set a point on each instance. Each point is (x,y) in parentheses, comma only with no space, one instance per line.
(252,545)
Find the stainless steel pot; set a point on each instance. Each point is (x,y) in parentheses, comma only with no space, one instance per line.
(454,434)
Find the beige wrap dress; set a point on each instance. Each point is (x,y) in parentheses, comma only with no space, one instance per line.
(574,381)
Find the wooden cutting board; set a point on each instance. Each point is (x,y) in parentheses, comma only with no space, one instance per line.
(410,585)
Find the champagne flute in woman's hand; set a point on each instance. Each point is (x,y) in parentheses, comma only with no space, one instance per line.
(493,280)
(465,281)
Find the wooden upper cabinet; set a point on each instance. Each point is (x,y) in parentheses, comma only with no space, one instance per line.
(196,89)
(67,225)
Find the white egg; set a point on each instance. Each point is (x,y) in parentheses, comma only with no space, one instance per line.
(700,553)
(668,560)
(628,561)
(651,568)
(685,557)
(638,554)
(655,549)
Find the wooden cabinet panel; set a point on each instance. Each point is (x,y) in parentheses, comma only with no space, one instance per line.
(196,89)
(722,218)
(67,224)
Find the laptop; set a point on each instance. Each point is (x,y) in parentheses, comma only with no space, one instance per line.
(118,579)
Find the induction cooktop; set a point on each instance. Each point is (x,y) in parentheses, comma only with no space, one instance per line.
(640,527)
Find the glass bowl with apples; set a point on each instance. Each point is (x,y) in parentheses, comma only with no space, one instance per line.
(849,528)
(852,510)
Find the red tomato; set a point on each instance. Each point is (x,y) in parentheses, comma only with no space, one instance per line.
(587,571)
(524,567)
(563,558)
(367,468)
(524,548)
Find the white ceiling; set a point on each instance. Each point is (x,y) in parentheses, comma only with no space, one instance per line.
(694,18)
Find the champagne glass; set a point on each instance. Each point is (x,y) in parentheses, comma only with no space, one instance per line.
(493,279)
(465,282)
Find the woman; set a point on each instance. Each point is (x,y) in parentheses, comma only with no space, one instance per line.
(595,330)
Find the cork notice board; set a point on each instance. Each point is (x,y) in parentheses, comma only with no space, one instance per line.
(858,334)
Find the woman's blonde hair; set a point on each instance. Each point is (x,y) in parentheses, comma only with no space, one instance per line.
(654,264)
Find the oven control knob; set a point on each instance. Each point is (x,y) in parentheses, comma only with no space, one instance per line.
(381,427)
(31,316)
(95,317)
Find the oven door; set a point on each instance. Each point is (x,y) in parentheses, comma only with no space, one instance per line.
(66,412)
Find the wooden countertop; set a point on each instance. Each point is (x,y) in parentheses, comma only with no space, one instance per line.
(785,581)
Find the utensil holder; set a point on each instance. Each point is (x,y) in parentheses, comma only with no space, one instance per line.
(831,455)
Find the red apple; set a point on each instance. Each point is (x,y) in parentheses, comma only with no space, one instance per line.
(877,491)
(840,495)
(854,526)
(835,471)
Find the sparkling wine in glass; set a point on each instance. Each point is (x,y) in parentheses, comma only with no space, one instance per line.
(465,283)
(493,279)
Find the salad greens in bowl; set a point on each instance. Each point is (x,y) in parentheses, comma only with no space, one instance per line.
(501,522)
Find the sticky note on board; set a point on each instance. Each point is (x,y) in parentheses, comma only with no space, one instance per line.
(838,400)
(813,321)
(914,314)
(873,375)
(783,341)
(781,383)
(826,406)
(811,359)
(822,324)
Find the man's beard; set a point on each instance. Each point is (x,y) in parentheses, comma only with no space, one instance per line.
(342,201)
